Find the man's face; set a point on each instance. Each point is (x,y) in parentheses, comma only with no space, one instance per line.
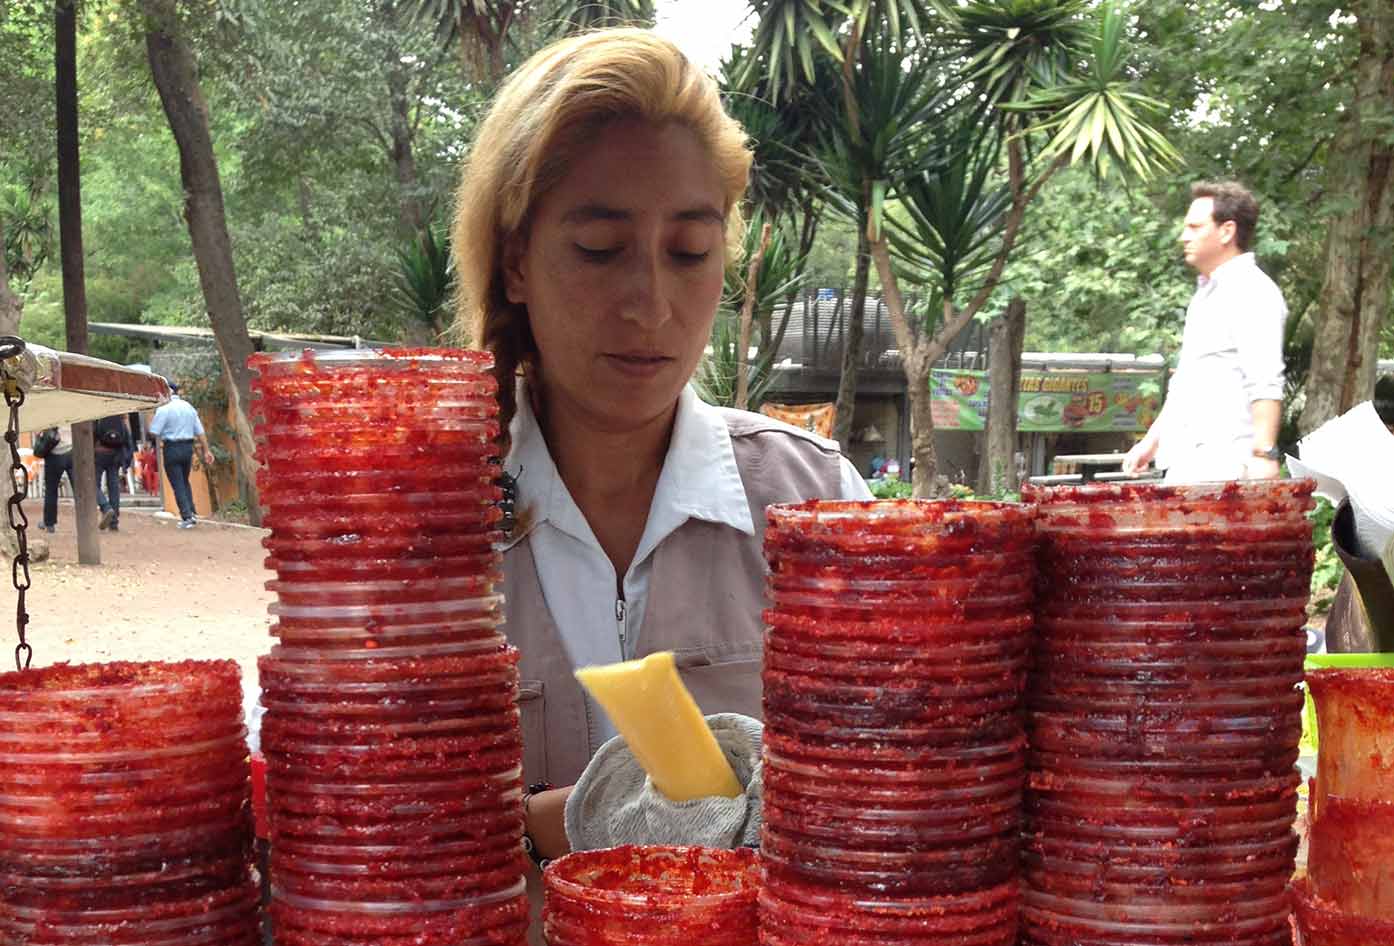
(1204,242)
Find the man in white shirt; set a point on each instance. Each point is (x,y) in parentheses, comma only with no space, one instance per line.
(1220,420)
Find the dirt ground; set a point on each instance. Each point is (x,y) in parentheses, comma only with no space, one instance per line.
(161,593)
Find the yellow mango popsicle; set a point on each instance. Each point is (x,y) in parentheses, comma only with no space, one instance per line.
(658,718)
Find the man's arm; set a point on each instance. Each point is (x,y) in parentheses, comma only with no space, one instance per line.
(1145,450)
(202,440)
(1259,338)
(203,447)
(1266,414)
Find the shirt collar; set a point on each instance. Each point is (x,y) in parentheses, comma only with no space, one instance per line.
(1229,266)
(699,480)
(541,495)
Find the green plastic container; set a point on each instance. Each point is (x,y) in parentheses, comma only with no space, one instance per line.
(1328,661)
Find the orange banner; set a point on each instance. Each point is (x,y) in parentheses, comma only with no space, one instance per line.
(815,418)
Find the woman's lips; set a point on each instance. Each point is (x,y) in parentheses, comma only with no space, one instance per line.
(637,364)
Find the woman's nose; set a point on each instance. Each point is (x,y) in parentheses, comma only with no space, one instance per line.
(644,302)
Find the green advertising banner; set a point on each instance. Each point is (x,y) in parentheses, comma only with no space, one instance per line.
(1052,401)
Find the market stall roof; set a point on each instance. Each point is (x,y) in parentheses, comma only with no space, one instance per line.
(64,388)
(1087,361)
(262,340)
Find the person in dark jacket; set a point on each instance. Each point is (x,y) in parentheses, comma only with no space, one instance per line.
(112,453)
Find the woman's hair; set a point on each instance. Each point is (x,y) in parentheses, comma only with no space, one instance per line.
(546,114)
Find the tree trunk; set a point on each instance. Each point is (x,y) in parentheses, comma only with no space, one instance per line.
(1005,343)
(752,285)
(411,215)
(926,351)
(308,224)
(925,476)
(770,336)
(483,34)
(176,78)
(917,357)
(1355,290)
(852,347)
(89,550)
(11,307)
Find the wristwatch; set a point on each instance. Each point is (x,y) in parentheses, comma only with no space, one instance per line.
(1271,453)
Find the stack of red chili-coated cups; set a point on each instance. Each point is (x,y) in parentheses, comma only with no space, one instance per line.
(1164,714)
(391,728)
(894,754)
(1347,895)
(125,806)
(652,896)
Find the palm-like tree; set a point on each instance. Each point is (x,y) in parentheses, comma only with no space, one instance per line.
(792,34)
(574,16)
(1010,91)
(787,183)
(485,29)
(481,27)
(885,94)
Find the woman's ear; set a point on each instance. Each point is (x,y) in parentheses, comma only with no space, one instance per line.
(514,281)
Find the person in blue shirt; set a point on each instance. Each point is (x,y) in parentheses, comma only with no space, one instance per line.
(177,429)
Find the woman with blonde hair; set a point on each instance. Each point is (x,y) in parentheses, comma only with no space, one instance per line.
(595,218)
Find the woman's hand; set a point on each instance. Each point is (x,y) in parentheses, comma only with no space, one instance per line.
(546,822)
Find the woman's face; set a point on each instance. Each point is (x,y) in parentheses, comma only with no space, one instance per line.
(621,271)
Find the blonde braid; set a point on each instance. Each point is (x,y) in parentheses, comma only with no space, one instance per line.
(507,334)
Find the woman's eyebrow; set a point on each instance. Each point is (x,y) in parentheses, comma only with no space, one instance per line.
(588,213)
(704,213)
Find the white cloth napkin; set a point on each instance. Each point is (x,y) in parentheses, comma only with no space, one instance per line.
(614,802)
(1352,456)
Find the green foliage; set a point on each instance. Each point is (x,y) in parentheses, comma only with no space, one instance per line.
(893,487)
(715,380)
(29,232)
(303,97)
(204,391)
(425,281)
(1328,571)
(785,175)
(44,322)
(1099,115)
(899,106)
(890,487)
(575,16)
(234,510)
(780,275)
(26,95)
(1254,95)
(953,211)
(833,257)
(1014,48)
(1101,269)
(792,34)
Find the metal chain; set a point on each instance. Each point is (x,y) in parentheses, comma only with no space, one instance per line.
(14,510)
